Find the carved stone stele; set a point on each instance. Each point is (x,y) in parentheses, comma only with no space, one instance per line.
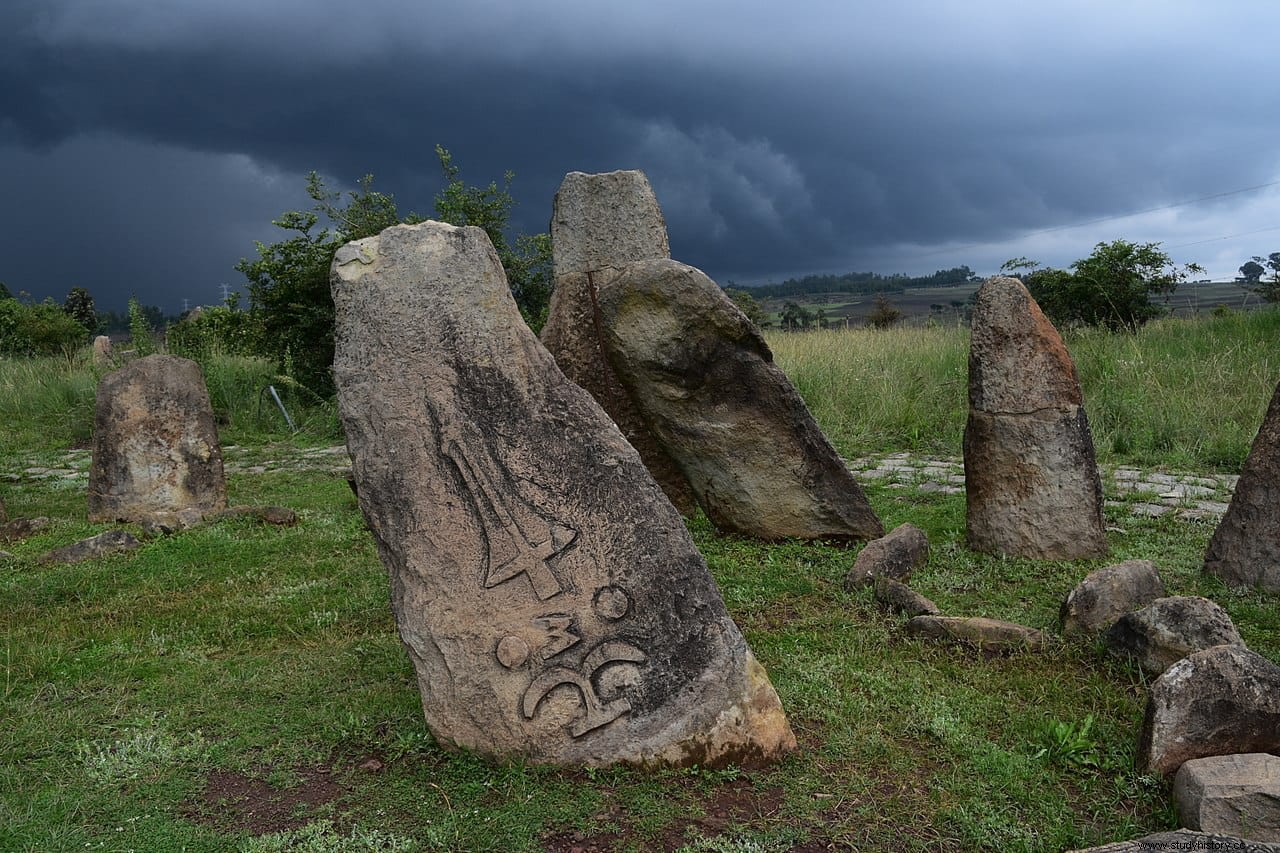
(155,443)
(1031,476)
(549,595)
(600,223)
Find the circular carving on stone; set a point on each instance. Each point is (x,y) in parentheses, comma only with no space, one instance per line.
(512,652)
(611,602)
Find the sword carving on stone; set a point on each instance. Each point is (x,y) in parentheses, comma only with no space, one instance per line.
(521,542)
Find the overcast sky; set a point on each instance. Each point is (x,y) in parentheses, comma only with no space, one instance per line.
(145,144)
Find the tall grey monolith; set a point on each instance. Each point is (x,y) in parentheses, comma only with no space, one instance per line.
(600,223)
(548,594)
(1245,549)
(1031,477)
(703,377)
(155,443)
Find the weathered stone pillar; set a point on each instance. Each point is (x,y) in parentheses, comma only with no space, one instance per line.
(1031,476)
(1245,549)
(600,223)
(549,595)
(703,377)
(155,444)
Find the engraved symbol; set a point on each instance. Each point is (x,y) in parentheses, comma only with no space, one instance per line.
(611,602)
(598,713)
(512,652)
(560,638)
(521,542)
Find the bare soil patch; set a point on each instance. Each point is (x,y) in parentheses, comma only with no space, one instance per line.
(234,802)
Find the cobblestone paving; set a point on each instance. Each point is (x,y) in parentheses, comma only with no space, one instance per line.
(1144,493)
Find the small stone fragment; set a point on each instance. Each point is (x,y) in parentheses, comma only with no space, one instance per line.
(155,444)
(1245,549)
(1107,594)
(895,556)
(102,545)
(22,528)
(1031,476)
(987,635)
(1184,840)
(703,378)
(900,598)
(1219,701)
(166,523)
(1168,629)
(1231,794)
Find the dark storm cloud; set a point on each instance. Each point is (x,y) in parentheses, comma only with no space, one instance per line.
(824,137)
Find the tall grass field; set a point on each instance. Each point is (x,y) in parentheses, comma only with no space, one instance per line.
(242,687)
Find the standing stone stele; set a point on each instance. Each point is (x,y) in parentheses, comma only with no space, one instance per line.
(104,354)
(1031,477)
(548,594)
(600,223)
(704,379)
(1245,549)
(155,443)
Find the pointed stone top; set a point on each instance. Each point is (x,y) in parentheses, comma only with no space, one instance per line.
(606,220)
(1017,361)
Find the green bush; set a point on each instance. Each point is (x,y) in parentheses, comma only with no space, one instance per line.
(215,331)
(38,329)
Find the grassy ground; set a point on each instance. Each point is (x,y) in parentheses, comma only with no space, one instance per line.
(242,687)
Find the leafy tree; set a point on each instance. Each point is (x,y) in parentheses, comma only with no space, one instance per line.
(289,291)
(1252,272)
(794,317)
(79,306)
(1268,289)
(884,314)
(140,329)
(4,291)
(1113,287)
(748,305)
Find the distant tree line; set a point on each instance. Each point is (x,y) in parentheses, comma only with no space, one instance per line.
(861,283)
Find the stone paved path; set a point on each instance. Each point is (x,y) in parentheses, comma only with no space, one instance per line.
(1187,496)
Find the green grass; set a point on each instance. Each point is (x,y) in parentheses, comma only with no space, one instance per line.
(1180,393)
(141,691)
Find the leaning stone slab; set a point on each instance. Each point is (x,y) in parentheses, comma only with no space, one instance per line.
(1105,595)
(1031,477)
(1231,794)
(102,545)
(22,528)
(704,379)
(1220,701)
(549,595)
(1245,549)
(985,635)
(898,597)
(1168,629)
(1185,840)
(600,223)
(895,556)
(155,445)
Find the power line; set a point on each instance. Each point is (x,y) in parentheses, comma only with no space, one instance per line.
(1227,237)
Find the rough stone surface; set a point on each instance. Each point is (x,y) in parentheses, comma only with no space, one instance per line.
(900,598)
(1105,595)
(600,223)
(21,528)
(155,445)
(1185,840)
(104,354)
(1220,701)
(987,635)
(110,542)
(1031,477)
(705,381)
(168,522)
(1231,794)
(895,556)
(1245,549)
(549,595)
(1168,629)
